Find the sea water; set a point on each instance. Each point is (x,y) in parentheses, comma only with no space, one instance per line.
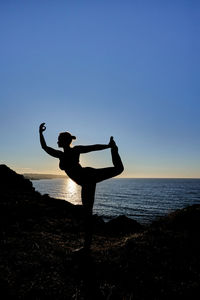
(141,199)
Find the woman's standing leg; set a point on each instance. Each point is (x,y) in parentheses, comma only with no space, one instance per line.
(88,195)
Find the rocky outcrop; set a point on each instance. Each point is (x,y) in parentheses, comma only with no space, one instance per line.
(38,235)
(123,225)
(20,201)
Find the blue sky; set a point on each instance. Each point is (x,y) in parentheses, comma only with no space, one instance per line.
(99,68)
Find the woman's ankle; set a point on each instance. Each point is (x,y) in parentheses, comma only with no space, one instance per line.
(112,143)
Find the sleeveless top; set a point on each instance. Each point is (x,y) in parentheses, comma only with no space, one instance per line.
(69,160)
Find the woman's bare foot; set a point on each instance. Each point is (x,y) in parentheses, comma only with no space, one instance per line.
(112,143)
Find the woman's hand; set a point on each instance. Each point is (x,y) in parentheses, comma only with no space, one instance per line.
(42,127)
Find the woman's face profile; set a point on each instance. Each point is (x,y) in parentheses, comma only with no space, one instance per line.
(64,141)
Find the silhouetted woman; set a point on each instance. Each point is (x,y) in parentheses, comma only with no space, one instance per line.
(87,177)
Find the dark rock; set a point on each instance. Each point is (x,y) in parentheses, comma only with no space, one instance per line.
(187,218)
(9,180)
(17,190)
(19,202)
(123,225)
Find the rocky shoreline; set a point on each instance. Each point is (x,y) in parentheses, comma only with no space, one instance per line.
(128,261)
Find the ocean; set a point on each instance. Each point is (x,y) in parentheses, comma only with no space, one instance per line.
(141,199)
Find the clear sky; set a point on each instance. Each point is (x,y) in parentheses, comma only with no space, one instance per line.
(130,69)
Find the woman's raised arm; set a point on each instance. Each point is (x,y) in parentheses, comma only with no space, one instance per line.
(49,150)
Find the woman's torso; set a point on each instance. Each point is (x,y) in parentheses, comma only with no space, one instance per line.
(69,162)
(69,159)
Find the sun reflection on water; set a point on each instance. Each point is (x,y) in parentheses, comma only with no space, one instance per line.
(72,191)
(71,186)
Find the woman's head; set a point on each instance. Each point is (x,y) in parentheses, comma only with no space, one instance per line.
(65,139)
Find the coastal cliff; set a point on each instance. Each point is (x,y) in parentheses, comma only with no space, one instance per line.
(128,261)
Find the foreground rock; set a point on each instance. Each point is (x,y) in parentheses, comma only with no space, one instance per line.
(127,261)
(123,225)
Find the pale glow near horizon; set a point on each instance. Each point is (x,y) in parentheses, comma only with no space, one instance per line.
(136,175)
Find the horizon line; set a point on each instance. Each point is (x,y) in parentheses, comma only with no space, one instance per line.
(52,174)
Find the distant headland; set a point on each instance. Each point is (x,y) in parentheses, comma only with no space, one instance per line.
(35,176)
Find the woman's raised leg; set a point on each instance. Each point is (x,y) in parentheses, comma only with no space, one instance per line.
(106,173)
(116,159)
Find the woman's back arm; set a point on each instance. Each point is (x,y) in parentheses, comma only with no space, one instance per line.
(89,148)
